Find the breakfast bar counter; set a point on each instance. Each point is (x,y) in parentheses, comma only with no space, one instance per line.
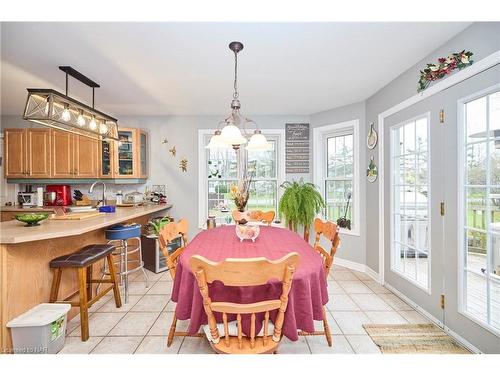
(25,253)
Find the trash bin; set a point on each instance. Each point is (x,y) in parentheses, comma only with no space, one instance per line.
(41,329)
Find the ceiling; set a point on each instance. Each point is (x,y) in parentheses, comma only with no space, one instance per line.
(187,68)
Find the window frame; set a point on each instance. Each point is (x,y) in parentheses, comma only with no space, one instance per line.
(428,288)
(462,207)
(203,134)
(320,163)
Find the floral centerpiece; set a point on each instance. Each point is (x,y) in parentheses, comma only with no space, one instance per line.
(445,66)
(241,192)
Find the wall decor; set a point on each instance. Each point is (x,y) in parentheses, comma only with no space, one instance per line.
(183,165)
(173,151)
(372,171)
(445,66)
(372,139)
(297,148)
(164,141)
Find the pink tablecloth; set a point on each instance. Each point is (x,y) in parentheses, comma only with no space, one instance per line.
(306,298)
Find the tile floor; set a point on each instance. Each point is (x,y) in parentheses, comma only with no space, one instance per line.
(141,326)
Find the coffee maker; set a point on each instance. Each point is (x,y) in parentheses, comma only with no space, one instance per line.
(26,198)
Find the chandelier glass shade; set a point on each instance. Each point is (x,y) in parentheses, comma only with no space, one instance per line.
(53,109)
(234,131)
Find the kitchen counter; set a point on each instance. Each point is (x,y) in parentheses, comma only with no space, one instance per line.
(14,231)
(26,209)
(25,254)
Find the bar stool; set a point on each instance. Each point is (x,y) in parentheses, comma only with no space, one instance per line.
(83,260)
(120,235)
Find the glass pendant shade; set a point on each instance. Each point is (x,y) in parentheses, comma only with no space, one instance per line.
(231,134)
(66,115)
(258,142)
(216,141)
(93,124)
(80,120)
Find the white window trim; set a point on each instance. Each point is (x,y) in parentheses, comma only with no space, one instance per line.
(202,168)
(319,165)
(461,208)
(428,289)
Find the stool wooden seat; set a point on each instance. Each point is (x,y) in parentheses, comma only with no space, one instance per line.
(83,260)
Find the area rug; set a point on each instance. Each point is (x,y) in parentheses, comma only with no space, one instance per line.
(412,339)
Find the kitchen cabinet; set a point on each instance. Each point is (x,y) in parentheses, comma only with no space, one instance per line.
(74,156)
(131,156)
(27,153)
(43,153)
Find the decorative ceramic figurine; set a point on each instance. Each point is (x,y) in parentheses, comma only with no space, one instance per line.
(372,171)
(372,139)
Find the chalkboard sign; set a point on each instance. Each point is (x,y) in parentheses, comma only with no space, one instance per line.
(297,148)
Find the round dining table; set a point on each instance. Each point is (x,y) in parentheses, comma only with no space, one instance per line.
(307,296)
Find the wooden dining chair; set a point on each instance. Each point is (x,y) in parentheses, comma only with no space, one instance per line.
(244,272)
(167,234)
(255,215)
(330,231)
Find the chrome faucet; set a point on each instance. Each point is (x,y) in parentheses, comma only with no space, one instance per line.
(103,191)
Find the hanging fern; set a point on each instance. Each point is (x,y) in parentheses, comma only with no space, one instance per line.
(300,203)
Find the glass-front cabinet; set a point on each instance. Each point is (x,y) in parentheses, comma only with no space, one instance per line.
(127,157)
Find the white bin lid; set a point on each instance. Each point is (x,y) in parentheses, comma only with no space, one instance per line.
(40,315)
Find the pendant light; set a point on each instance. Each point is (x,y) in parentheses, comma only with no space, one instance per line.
(234,127)
(53,109)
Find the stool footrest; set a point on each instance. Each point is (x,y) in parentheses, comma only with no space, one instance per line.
(99,296)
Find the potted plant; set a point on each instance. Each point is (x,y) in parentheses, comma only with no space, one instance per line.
(299,205)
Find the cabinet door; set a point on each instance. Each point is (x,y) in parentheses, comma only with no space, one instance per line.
(126,154)
(106,159)
(86,157)
(62,154)
(143,154)
(38,153)
(15,153)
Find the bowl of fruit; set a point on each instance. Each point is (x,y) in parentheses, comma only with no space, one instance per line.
(247,232)
(32,219)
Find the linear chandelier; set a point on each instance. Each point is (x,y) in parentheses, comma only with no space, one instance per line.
(51,108)
(233,131)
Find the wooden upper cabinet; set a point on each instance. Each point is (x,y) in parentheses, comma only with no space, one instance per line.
(27,153)
(38,153)
(62,154)
(106,159)
(15,153)
(86,157)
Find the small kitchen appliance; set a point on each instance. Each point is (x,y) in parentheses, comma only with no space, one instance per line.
(63,195)
(26,199)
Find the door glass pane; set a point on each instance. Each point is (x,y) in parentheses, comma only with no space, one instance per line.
(125,155)
(476,251)
(144,154)
(476,164)
(475,298)
(476,120)
(410,179)
(494,106)
(105,158)
(495,161)
(495,303)
(476,208)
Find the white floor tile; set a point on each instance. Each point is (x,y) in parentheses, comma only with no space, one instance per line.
(334,288)
(170,306)
(414,317)
(341,302)
(110,306)
(166,276)
(318,345)
(151,303)
(100,324)
(361,275)
(352,287)
(385,317)
(161,287)
(195,345)
(343,275)
(138,287)
(294,347)
(351,322)
(334,328)
(135,324)
(395,302)
(376,287)
(74,345)
(162,325)
(363,344)
(117,345)
(158,345)
(96,306)
(370,302)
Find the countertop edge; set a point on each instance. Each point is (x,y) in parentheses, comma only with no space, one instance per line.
(79,231)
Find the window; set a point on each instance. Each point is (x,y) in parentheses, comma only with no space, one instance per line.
(410,197)
(336,166)
(221,172)
(480,209)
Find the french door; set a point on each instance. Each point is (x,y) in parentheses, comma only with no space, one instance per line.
(442,216)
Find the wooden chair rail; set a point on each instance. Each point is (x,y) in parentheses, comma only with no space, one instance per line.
(249,308)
